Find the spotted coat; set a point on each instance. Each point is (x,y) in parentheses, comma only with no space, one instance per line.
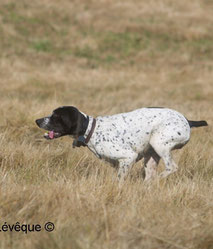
(123,139)
(151,133)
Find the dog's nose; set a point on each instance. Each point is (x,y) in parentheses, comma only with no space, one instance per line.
(38,122)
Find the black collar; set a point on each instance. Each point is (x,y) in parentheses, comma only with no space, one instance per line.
(81,140)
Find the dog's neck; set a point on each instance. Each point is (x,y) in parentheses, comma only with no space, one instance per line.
(89,126)
(86,126)
(81,125)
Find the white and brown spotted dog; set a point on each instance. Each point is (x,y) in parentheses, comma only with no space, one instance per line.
(125,138)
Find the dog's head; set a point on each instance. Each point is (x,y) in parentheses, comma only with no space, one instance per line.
(65,120)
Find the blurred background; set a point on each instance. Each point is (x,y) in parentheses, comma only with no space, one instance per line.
(107,56)
(104,57)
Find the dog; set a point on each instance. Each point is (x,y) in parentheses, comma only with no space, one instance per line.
(123,139)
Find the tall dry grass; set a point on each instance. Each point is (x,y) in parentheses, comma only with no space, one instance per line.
(104,57)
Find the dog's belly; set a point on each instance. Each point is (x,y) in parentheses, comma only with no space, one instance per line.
(110,148)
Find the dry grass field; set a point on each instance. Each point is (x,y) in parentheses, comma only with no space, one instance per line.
(104,57)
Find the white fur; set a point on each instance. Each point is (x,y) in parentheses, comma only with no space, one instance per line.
(151,133)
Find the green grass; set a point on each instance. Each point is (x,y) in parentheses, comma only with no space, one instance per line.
(42,46)
(112,47)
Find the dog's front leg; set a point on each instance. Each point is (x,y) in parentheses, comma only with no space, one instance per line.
(125,165)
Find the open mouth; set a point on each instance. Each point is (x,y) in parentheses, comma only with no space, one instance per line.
(52,135)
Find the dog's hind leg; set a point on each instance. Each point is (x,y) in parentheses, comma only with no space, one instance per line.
(151,160)
(150,165)
(170,165)
(164,141)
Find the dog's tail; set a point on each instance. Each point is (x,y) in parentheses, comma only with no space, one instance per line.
(197,123)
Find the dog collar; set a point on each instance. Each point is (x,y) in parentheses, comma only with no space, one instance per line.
(91,131)
(81,140)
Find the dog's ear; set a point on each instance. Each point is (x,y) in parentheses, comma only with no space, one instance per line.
(79,123)
(69,116)
(74,121)
(82,123)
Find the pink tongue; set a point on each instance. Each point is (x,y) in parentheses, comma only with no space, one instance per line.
(51,134)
